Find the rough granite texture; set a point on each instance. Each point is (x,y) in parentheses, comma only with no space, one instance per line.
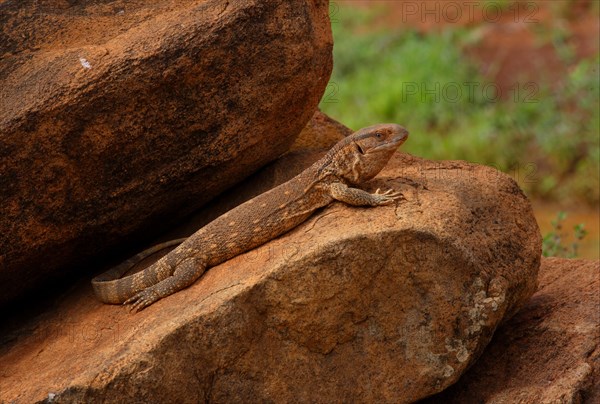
(118,118)
(321,132)
(549,352)
(390,304)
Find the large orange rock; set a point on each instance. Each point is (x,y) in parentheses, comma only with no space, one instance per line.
(550,351)
(118,117)
(387,304)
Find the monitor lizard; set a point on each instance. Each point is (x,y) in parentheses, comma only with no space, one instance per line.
(351,162)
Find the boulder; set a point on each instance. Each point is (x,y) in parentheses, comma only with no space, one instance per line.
(386,304)
(549,352)
(118,118)
(321,132)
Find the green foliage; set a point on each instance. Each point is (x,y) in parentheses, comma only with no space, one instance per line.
(568,135)
(552,244)
(548,140)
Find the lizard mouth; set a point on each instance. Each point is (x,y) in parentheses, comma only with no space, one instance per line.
(401,138)
(392,144)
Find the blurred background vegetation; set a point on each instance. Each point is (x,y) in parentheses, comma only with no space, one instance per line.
(510,84)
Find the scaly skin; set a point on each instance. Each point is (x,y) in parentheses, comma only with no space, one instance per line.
(353,161)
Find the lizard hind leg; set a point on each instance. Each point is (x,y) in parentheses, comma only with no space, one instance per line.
(186,273)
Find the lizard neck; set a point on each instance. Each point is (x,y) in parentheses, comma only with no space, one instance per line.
(340,164)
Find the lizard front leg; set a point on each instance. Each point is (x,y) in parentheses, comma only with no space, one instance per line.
(186,273)
(357,197)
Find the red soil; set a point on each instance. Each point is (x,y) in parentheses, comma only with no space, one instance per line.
(516,41)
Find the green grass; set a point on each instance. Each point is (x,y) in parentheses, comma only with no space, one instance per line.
(553,244)
(548,140)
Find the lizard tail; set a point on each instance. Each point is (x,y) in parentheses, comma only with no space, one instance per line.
(107,286)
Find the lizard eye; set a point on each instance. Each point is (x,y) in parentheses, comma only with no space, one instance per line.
(378,135)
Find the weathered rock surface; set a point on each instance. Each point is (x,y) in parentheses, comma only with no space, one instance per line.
(119,117)
(549,352)
(387,304)
(319,135)
(321,132)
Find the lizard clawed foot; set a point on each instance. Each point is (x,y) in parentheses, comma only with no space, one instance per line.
(141,300)
(387,197)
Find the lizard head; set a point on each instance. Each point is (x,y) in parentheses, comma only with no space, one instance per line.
(368,150)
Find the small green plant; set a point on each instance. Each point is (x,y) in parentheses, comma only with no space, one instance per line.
(552,244)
